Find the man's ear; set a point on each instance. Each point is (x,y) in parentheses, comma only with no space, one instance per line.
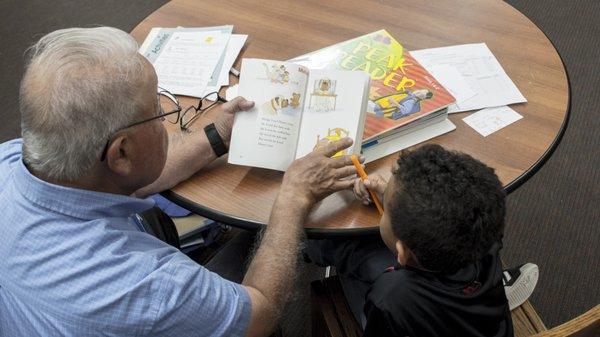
(401,253)
(118,156)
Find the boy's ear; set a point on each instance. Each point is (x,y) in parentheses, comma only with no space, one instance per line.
(401,253)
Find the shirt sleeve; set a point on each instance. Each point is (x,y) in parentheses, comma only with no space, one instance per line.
(407,105)
(198,302)
(10,153)
(377,323)
(385,307)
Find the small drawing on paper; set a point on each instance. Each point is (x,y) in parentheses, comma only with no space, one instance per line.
(277,73)
(281,105)
(323,98)
(332,135)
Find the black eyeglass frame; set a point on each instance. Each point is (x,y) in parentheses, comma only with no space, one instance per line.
(197,109)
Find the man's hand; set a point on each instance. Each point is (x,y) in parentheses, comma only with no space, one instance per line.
(227,111)
(189,152)
(270,276)
(316,175)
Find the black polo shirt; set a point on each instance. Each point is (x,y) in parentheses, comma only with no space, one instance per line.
(411,302)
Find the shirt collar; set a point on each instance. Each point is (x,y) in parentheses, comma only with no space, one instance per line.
(79,203)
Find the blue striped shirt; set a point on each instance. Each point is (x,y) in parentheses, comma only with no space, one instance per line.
(74,263)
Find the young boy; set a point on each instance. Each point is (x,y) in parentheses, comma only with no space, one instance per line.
(440,274)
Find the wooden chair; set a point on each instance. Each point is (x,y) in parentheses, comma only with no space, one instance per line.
(332,317)
(586,325)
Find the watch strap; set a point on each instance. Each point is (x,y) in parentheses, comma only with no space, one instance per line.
(215,140)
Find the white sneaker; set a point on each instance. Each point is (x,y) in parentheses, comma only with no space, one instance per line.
(519,283)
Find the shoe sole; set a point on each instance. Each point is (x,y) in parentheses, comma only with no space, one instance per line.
(523,287)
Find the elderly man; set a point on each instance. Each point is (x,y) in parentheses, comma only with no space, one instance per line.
(75,262)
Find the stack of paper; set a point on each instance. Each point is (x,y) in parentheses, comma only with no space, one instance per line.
(472,74)
(192,61)
(476,79)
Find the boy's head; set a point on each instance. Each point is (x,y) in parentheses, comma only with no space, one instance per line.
(443,209)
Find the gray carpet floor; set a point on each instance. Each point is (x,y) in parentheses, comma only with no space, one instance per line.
(552,219)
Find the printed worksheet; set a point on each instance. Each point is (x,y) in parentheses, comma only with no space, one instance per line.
(490,120)
(482,71)
(187,61)
(234,46)
(453,81)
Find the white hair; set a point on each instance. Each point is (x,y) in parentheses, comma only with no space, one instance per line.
(79,88)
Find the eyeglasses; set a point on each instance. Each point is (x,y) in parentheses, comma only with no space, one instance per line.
(169,109)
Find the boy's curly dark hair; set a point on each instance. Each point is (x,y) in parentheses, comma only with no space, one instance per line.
(448,208)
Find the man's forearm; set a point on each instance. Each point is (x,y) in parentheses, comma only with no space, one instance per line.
(273,268)
(188,153)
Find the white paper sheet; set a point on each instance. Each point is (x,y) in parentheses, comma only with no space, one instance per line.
(483,72)
(407,139)
(236,42)
(214,78)
(188,60)
(490,120)
(231,92)
(453,81)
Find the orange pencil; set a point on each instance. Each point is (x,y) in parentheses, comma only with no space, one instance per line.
(363,176)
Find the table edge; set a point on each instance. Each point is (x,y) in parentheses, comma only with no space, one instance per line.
(520,180)
(228,219)
(313,232)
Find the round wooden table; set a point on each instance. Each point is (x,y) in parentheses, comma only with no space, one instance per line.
(283,29)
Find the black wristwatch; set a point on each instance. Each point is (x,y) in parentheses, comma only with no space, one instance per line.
(215,140)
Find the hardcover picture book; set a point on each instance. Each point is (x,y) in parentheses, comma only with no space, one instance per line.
(401,91)
(295,108)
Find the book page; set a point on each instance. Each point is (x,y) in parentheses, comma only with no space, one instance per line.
(266,136)
(334,108)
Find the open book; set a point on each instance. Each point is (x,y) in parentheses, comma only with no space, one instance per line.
(407,104)
(295,108)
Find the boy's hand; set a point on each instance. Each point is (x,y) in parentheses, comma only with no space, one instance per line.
(375,183)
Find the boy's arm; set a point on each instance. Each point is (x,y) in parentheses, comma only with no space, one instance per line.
(407,104)
(378,323)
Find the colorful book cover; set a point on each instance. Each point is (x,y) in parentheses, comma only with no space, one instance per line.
(401,92)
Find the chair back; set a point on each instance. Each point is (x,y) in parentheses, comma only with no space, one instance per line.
(586,325)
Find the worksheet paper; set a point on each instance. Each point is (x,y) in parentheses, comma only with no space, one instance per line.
(231,92)
(187,61)
(453,81)
(482,71)
(490,120)
(226,29)
(235,45)
(156,39)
